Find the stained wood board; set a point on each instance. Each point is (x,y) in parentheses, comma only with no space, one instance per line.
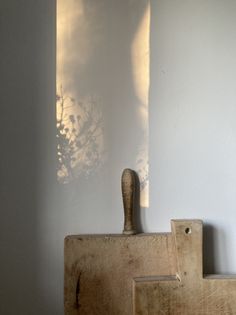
(99,270)
(189,292)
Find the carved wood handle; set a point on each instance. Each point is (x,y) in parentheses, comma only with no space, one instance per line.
(128,194)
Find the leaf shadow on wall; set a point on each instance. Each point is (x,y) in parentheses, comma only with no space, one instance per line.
(99,55)
(79,137)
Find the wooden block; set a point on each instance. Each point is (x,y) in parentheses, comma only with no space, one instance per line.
(99,270)
(188,292)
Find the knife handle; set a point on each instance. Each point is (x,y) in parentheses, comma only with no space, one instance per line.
(128,194)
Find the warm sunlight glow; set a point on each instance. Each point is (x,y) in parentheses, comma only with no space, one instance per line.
(103,90)
(69,13)
(140,56)
(80,142)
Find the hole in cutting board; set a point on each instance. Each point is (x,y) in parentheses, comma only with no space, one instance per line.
(188,230)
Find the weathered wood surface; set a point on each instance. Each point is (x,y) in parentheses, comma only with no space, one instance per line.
(99,270)
(187,293)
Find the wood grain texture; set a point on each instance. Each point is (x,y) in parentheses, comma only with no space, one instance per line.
(188,292)
(99,270)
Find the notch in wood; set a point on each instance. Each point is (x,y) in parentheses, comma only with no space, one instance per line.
(128,194)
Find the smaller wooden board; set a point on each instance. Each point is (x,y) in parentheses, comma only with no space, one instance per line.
(188,292)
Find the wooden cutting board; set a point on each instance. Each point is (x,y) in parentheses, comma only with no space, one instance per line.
(144,274)
(189,292)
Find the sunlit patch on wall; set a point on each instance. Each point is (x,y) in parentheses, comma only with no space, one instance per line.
(102,90)
(143,172)
(79,136)
(140,57)
(80,141)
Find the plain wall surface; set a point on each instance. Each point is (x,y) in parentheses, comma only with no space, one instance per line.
(192,143)
(31,244)
(192,121)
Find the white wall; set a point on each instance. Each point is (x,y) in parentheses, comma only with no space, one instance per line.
(191,137)
(192,120)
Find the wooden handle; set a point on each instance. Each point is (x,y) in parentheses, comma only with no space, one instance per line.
(128,194)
